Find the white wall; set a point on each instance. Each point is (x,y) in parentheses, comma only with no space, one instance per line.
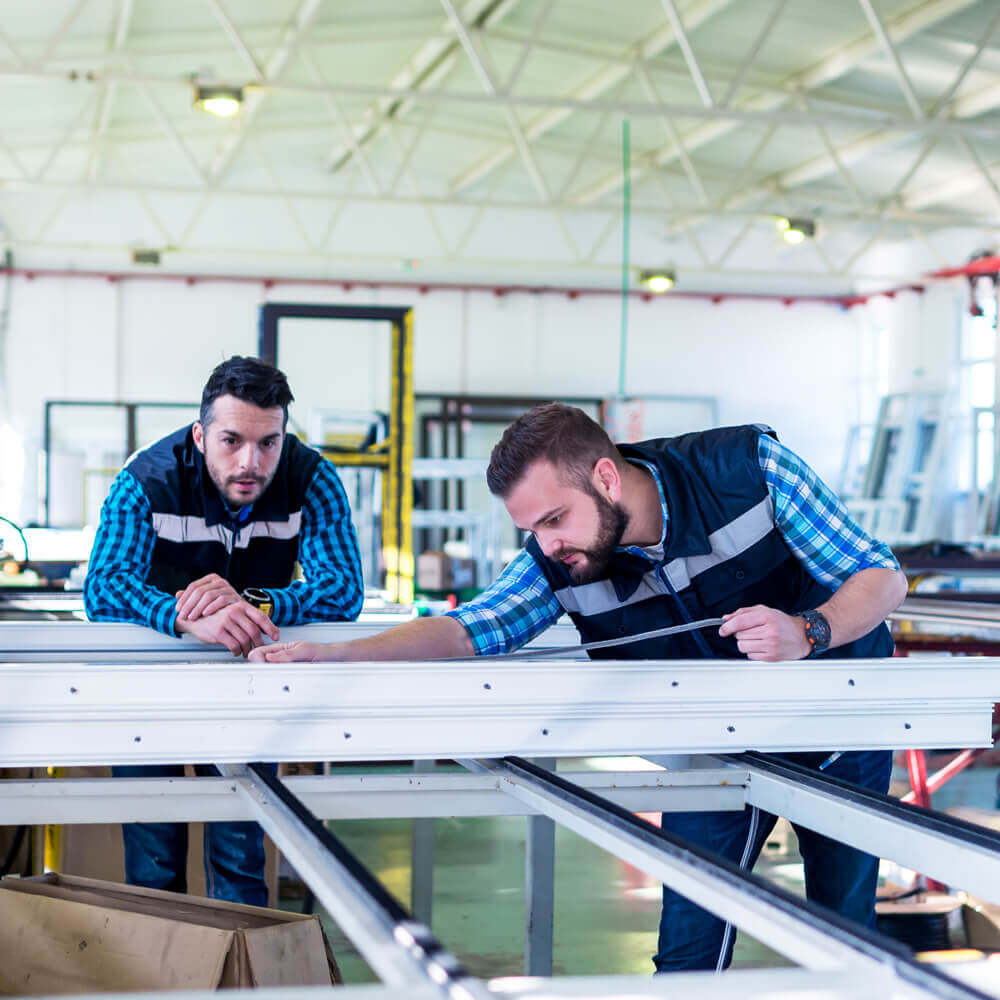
(790,366)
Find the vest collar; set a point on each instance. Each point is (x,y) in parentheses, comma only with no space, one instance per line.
(682,504)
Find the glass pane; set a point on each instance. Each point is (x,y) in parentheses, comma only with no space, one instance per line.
(338,371)
(984,458)
(981,383)
(87,448)
(155,422)
(979,338)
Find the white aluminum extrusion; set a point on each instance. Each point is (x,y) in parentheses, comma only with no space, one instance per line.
(783,931)
(397,961)
(74,713)
(736,984)
(116,642)
(339,797)
(971,867)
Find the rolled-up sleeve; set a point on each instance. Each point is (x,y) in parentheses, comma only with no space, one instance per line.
(518,606)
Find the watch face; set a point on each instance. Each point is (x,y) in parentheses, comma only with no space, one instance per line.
(817,631)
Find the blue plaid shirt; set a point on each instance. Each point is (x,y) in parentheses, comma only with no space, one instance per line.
(814,523)
(332,589)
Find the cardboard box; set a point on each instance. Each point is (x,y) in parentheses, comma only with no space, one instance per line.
(439,571)
(63,934)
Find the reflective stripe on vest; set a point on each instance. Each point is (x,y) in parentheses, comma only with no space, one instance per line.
(731,540)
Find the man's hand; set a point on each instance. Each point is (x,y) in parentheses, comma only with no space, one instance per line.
(764,633)
(204,597)
(292,652)
(239,627)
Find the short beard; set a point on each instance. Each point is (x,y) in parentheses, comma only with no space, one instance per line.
(612,520)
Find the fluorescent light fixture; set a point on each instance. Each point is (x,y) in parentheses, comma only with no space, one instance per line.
(659,280)
(218,100)
(795,231)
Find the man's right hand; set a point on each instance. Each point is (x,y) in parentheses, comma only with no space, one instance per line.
(240,627)
(293,652)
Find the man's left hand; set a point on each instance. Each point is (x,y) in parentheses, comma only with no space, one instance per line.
(204,597)
(764,633)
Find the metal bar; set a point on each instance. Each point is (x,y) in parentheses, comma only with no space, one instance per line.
(890,50)
(539,890)
(70,713)
(916,766)
(529,45)
(348,796)
(955,766)
(422,858)
(603,81)
(956,852)
(803,931)
(751,57)
(485,76)
(401,951)
(701,85)
(344,126)
(942,101)
(751,113)
(237,39)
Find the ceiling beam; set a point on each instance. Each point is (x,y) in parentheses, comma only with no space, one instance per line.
(838,210)
(833,65)
(291,34)
(108,91)
(700,83)
(601,82)
(897,64)
(429,65)
(478,58)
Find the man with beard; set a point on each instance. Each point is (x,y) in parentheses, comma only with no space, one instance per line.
(723,523)
(225,505)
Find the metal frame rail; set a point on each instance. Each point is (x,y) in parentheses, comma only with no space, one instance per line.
(407,956)
(73,713)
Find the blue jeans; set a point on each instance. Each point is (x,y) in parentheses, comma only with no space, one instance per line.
(837,876)
(156,853)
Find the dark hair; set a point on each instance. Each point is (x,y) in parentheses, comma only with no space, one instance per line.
(560,434)
(250,379)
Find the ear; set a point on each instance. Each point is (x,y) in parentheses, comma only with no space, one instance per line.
(607,480)
(198,433)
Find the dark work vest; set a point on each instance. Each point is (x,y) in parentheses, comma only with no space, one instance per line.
(723,551)
(195,532)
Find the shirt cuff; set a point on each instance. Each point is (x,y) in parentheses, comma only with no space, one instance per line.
(163,615)
(286,607)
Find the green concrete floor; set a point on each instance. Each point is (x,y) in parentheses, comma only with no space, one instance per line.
(606,912)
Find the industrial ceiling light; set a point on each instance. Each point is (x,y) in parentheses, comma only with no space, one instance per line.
(795,230)
(659,280)
(218,100)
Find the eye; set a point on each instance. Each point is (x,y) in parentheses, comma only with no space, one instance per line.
(229,439)
(554,520)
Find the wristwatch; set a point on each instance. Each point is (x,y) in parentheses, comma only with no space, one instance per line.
(817,631)
(259,598)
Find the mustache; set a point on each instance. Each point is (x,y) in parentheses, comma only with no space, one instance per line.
(563,553)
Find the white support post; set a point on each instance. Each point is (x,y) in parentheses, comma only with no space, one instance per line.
(539,890)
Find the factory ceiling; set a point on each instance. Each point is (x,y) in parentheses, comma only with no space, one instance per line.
(483,140)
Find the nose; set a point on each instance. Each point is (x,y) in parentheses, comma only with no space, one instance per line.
(248,457)
(548,543)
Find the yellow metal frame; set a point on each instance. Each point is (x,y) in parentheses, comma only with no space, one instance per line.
(395,458)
